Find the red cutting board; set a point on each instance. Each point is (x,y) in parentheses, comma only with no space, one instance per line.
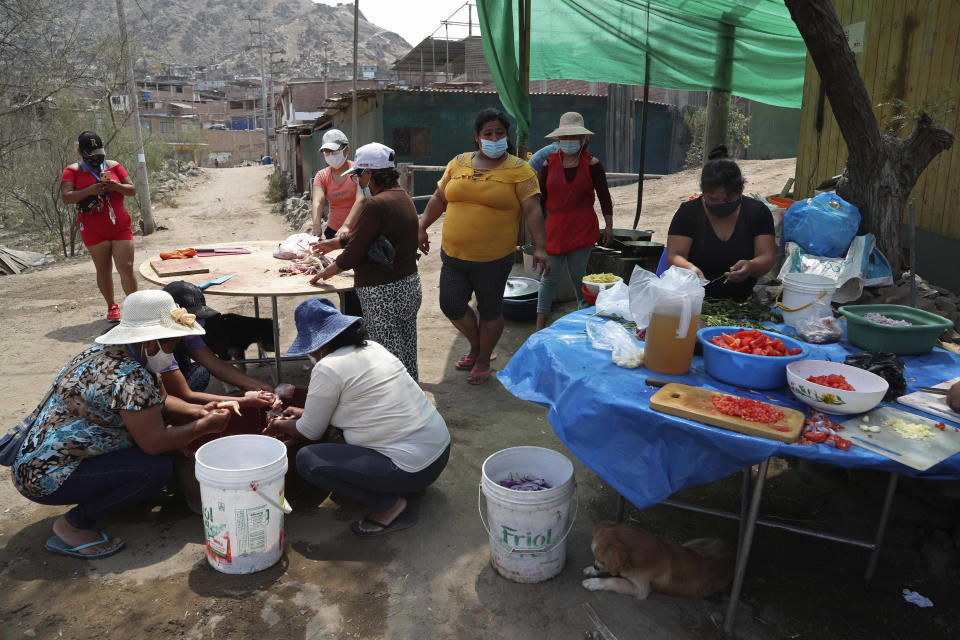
(178,267)
(696,403)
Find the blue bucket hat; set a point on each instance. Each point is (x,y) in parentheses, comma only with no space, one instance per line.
(318,322)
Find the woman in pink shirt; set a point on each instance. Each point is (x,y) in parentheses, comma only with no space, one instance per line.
(334,187)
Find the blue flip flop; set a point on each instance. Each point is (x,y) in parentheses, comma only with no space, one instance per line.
(57,545)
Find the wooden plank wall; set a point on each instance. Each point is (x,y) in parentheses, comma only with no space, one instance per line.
(912,52)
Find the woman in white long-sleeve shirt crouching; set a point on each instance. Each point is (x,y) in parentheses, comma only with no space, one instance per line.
(397,443)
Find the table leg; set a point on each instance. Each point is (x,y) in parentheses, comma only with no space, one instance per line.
(256,313)
(743,554)
(276,337)
(882,526)
(744,504)
(621,508)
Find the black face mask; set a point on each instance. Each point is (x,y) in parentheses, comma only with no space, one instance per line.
(724,209)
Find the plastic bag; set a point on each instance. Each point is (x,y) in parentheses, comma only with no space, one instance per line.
(295,247)
(613,336)
(886,365)
(677,292)
(820,330)
(863,265)
(824,225)
(614,301)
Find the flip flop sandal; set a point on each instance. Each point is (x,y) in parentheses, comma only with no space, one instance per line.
(401,522)
(57,545)
(478,377)
(466,362)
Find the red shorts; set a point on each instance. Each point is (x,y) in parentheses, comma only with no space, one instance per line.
(96,227)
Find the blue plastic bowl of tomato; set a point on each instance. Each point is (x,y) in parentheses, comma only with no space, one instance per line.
(749,370)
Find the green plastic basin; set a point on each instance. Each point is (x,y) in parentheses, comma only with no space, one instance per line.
(918,338)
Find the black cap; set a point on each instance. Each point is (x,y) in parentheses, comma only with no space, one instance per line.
(90,144)
(189,296)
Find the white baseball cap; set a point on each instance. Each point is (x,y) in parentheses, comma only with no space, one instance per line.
(372,156)
(333,139)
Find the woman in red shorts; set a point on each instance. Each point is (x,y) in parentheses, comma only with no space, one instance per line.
(97,186)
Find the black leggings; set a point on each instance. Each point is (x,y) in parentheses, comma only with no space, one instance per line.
(105,484)
(364,474)
(461,278)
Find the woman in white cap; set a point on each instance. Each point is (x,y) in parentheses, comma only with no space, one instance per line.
(331,185)
(98,186)
(569,178)
(99,437)
(382,251)
(396,442)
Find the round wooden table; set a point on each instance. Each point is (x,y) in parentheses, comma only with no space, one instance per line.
(255,274)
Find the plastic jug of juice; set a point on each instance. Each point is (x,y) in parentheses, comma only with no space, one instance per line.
(669,308)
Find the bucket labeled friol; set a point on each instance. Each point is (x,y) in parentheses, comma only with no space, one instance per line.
(241,490)
(528,529)
(805,296)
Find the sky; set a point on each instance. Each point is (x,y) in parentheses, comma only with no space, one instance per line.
(414,20)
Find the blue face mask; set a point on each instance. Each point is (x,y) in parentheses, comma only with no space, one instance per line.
(366,192)
(569,147)
(723,209)
(493,149)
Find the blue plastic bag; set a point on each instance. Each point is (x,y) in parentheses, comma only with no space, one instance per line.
(824,225)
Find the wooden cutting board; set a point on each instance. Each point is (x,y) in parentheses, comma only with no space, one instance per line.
(695,403)
(178,267)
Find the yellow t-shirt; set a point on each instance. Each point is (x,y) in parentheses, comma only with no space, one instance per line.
(483,207)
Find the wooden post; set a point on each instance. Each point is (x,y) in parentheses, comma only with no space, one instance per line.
(406,177)
(718,100)
(524,69)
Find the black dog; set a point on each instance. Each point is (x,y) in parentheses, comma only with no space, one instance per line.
(229,334)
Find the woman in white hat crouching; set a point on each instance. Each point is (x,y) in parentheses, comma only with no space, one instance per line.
(99,437)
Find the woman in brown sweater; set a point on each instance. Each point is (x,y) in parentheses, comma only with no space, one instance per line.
(381,249)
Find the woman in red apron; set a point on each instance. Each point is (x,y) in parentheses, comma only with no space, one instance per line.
(97,186)
(568,181)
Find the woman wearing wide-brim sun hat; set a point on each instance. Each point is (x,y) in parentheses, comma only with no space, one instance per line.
(569,178)
(99,437)
(397,444)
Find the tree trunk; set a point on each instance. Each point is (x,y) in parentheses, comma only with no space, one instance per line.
(881,170)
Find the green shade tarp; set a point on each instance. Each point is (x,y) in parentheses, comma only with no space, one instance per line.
(688,42)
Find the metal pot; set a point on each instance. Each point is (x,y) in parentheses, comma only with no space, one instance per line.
(641,249)
(521,289)
(632,234)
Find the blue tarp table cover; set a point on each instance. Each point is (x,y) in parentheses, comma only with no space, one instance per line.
(602,413)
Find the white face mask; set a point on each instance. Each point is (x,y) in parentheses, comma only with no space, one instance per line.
(160,360)
(311,358)
(335,159)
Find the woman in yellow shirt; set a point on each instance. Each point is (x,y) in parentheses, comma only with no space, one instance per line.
(484,194)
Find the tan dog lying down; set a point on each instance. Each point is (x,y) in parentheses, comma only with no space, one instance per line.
(638,563)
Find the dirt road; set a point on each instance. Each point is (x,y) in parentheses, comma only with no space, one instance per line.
(432,581)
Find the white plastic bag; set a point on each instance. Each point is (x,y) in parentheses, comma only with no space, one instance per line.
(295,247)
(677,292)
(863,265)
(614,301)
(613,336)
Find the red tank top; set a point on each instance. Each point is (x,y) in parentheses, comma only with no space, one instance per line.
(571,221)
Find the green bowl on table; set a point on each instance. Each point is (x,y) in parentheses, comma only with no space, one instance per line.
(913,340)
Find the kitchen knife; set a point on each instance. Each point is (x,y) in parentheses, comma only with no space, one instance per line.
(656,382)
(219,280)
(934,390)
(875,446)
(218,250)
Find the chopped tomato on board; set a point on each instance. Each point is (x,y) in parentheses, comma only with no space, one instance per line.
(750,410)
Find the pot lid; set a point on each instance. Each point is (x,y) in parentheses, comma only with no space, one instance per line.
(520,287)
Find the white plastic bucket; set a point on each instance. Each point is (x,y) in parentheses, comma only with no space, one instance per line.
(528,529)
(241,488)
(805,295)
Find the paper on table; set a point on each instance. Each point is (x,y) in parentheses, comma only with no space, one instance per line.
(932,403)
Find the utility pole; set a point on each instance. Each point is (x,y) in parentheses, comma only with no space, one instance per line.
(263,86)
(356,29)
(273,110)
(143,185)
(324,71)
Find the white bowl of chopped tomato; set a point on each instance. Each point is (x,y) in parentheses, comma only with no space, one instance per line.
(749,358)
(834,387)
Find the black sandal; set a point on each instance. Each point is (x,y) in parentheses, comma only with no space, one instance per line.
(402,521)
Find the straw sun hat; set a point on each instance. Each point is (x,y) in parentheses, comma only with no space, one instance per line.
(571,124)
(151,315)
